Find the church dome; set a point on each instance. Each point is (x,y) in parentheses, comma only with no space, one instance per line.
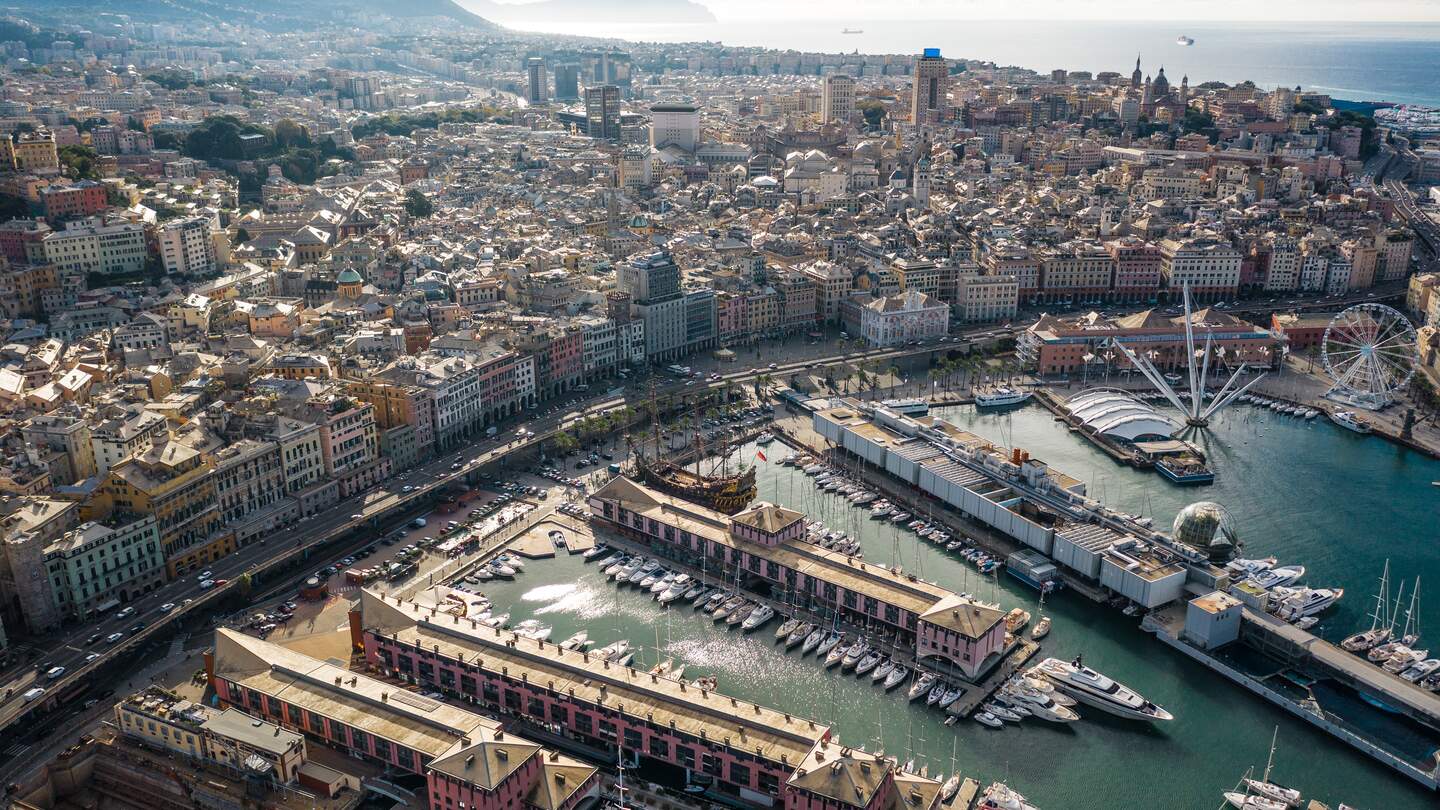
(1161,86)
(349,276)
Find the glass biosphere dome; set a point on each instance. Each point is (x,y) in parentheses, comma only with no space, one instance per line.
(1209,527)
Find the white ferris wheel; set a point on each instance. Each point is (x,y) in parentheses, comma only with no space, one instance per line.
(1369,351)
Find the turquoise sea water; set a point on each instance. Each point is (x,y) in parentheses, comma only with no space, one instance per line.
(1305,492)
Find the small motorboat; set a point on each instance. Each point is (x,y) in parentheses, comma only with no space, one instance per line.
(615,651)
(595,552)
(659,584)
(532,628)
(988,720)
(578,641)
(1041,628)
(757,618)
(496,621)
(1000,712)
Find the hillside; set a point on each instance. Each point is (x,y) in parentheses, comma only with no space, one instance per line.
(610,11)
(271,14)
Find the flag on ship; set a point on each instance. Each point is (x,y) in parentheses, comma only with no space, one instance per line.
(760,454)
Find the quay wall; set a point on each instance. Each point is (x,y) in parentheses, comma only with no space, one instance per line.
(1429,779)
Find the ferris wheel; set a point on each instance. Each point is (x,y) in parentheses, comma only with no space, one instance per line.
(1369,350)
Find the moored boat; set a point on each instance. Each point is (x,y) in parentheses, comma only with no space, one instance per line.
(1094,689)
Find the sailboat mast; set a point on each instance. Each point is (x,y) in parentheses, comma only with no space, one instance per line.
(1270,763)
(1377,618)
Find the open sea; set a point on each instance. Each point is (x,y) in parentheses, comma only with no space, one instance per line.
(1306,492)
(1355,61)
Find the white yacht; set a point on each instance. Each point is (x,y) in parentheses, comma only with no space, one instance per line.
(1093,689)
(1244,568)
(908,407)
(1001,398)
(677,588)
(532,628)
(615,651)
(1283,575)
(1418,672)
(1243,802)
(576,642)
(1000,796)
(1289,797)
(757,618)
(1349,421)
(1308,602)
(639,574)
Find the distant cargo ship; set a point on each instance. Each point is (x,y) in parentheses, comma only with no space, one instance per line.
(852,30)
(1184,40)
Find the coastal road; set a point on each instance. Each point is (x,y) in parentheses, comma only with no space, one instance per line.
(1424,226)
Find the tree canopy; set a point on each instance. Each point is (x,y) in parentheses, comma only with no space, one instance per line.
(79,162)
(417,205)
(405,125)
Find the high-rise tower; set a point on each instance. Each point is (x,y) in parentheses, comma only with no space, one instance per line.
(928,101)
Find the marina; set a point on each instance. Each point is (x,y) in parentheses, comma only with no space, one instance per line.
(570,596)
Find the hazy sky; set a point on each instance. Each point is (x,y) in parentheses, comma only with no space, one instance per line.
(1184,10)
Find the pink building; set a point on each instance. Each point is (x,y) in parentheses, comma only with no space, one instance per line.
(742,751)
(1137,269)
(730,315)
(764,549)
(464,757)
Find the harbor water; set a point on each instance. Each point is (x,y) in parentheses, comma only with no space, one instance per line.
(1305,492)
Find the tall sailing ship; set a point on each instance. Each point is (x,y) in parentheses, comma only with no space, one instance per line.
(719,490)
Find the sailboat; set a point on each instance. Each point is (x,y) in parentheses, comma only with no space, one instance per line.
(724,492)
(1379,626)
(1263,787)
(1380,654)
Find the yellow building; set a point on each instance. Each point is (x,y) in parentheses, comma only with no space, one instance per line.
(172,482)
(32,153)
